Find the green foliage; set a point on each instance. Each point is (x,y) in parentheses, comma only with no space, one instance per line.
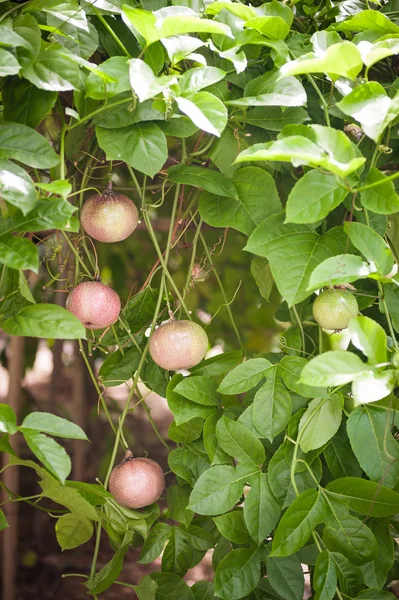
(278,122)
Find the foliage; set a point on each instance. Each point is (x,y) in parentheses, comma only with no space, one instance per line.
(277,121)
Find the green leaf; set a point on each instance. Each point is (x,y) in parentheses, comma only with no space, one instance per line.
(53,70)
(189,462)
(72,531)
(51,454)
(232,527)
(104,578)
(350,576)
(145,83)
(298,523)
(376,571)
(371,245)
(249,209)
(286,577)
(171,587)
(261,509)
(26,145)
(212,447)
(154,543)
(25,103)
(177,556)
(119,367)
(218,365)
(262,274)
(320,422)
(53,425)
(142,146)
(155,26)
(290,369)
(207,179)
(339,456)
(371,107)
(365,497)
(80,42)
(272,406)
(244,377)
(139,311)
(199,389)
(348,535)
(369,19)
(116,81)
(325,577)
(199,78)
(237,574)
(18,253)
(381,199)
(45,321)
(370,338)
(218,489)
(339,60)
(275,118)
(8,419)
(146,589)
(66,496)
(8,64)
(372,386)
(187,432)
(183,409)
(335,367)
(375,594)
(291,268)
(314,196)
(272,90)
(3,521)
(323,147)
(373,444)
(343,268)
(16,187)
(178,497)
(47,214)
(240,443)
(206,111)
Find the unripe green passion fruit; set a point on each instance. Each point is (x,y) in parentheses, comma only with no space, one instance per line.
(95,305)
(109,217)
(178,345)
(334,308)
(136,482)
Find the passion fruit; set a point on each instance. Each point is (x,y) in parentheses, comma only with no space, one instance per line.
(334,308)
(109,217)
(136,482)
(177,345)
(95,305)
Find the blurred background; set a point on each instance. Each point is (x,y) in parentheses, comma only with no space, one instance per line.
(50,375)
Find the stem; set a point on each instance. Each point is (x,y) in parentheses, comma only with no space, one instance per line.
(13,9)
(299,323)
(76,253)
(209,257)
(117,340)
(155,428)
(94,380)
(111,31)
(380,182)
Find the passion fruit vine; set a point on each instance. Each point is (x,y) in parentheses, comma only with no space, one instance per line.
(109,217)
(334,308)
(177,345)
(136,482)
(95,305)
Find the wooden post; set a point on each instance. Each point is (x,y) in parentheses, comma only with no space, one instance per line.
(11,476)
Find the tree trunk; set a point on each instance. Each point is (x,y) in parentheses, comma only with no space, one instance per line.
(11,476)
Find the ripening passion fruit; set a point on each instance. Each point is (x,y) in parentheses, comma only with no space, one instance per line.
(109,217)
(178,345)
(334,308)
(95,305)
(136,482)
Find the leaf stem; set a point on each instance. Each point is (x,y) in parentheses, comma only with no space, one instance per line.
(111,31)
(76,253)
